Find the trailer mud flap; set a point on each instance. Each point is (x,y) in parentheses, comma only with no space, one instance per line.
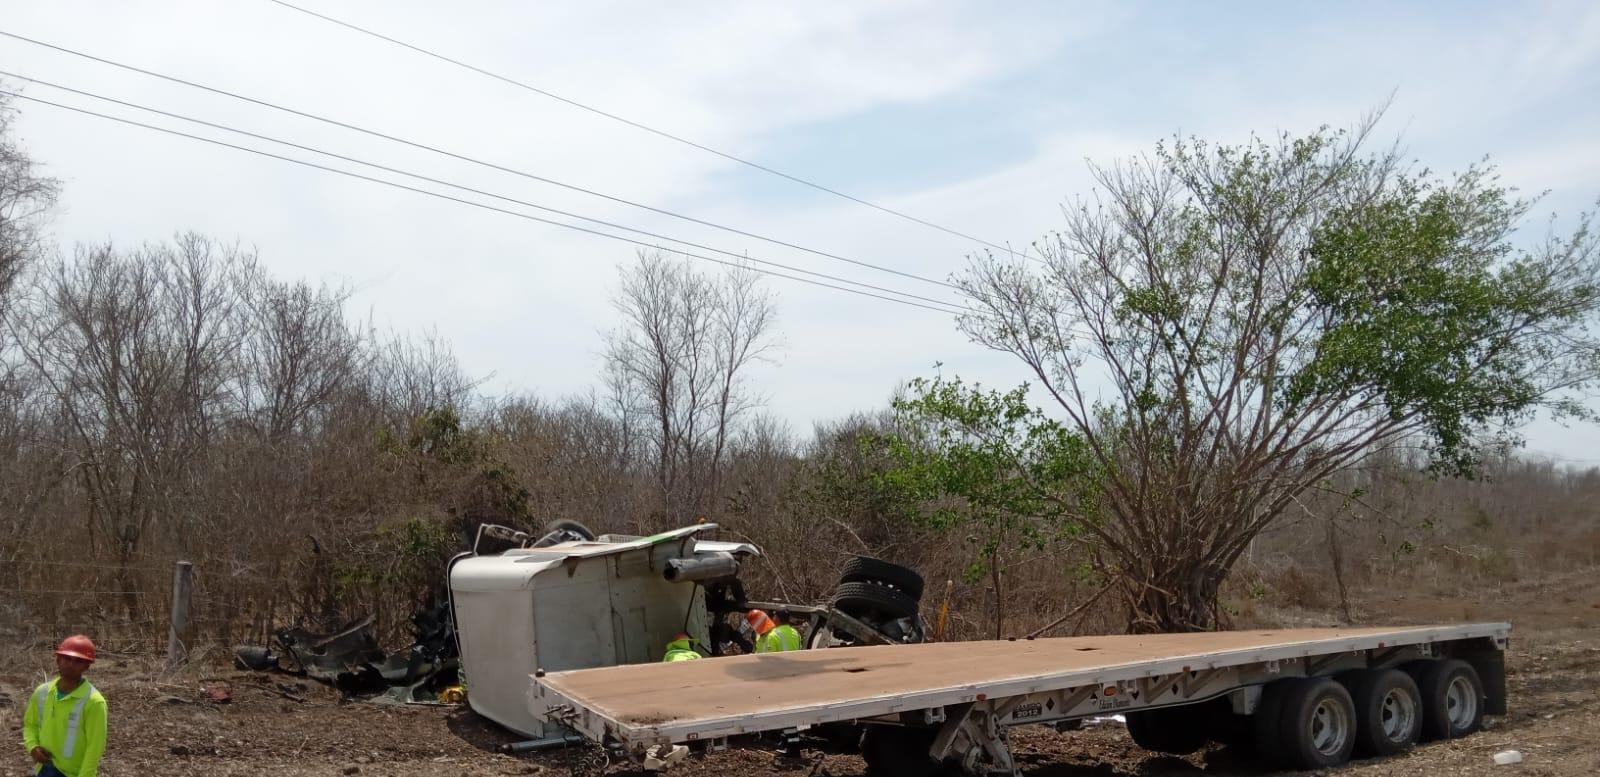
(1490,662)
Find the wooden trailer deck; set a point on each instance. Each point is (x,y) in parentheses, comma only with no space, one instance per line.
(713,697)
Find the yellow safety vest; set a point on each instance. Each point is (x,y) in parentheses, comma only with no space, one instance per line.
(680,650)
(778,640)
(72,728)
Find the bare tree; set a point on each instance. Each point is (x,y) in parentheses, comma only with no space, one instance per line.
(137,351)
(27,468)
(25,198)
(300,352)
(682,353)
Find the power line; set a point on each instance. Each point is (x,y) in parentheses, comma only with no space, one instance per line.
(472,203)
(642,126)
(470,189)
(469,159)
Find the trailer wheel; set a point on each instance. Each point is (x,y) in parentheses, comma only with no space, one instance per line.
(1388,710)
(900,751)
(1175,730)
(1452,697)
(1267,723)
(865,569)
(873,602)
(1319,724)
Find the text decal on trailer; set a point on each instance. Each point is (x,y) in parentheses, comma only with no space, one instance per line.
(1027,711)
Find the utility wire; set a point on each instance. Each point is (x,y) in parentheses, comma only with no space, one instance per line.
(472,203)
(459,187)
(642,126)
(469,159)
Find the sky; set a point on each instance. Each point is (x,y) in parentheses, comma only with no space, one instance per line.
(978,117)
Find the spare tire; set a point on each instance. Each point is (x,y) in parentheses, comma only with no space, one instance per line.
(873,602)
(865,569)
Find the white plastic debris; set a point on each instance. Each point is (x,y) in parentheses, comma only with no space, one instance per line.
(1507,757)
(1107,720)
(658,758)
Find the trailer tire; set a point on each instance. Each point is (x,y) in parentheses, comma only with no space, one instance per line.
(871,601)
(1173,730)
(1452,697)
(1388,710)
(1318,721)
(865,569)
(900,751)
(1267,723)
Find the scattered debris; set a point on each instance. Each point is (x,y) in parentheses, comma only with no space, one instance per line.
(660,757)
(1507,757)
(351,660)
(218,694)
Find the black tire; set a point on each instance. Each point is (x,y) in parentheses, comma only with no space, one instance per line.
(873,603)
(1266,723)
(1223,726)
(565,524)
(564,530)
(1174,730)
(865,569)
(1443,716)
(900,751)
(1319,724)
(1388,710)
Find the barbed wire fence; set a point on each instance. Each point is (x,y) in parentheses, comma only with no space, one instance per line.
(192,604)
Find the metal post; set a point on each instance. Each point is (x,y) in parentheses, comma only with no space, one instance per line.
(178,631)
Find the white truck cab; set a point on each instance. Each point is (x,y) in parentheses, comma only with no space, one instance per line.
(578,604)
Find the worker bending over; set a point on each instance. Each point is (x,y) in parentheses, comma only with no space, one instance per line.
(773,636)
(681,648)
(64,726)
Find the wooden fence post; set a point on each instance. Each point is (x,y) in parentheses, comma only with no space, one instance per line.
(178,630)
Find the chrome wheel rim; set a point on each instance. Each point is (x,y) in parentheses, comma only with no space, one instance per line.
(1460,703)
(1398,716)
(1330,727)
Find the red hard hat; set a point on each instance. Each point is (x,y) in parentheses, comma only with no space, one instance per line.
(759,622)
(77,646)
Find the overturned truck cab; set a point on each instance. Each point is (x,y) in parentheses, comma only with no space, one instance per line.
(579,603)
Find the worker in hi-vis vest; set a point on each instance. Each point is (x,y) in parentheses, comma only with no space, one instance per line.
(773,636)
(681,648)
(64,726)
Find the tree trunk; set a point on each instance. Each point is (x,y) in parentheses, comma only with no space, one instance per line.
(1166,597)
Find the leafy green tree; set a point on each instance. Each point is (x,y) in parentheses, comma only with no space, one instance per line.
(987,464)
(1222,328)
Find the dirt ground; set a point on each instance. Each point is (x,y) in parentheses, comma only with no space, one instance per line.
(279,726)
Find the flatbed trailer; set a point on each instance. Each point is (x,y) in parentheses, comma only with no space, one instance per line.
(1307,697)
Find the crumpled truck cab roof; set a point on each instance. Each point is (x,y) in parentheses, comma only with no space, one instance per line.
(574,605)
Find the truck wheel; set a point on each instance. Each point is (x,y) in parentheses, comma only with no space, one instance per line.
(1388,710)
(564,530)
(1319,724)
(1175,730)
(1452,697)
(873,603)
(1267,723)
(900,751)
(865,569)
